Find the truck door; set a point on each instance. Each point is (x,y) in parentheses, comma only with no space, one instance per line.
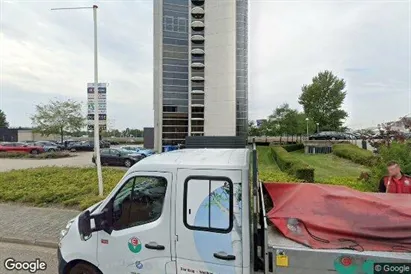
(208,222)
(140,242)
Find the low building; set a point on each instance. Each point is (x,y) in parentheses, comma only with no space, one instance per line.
(23,134)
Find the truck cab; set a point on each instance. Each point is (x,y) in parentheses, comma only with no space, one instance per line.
(175,212)
(196,211)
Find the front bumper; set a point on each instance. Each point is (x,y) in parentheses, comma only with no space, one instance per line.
(61,262)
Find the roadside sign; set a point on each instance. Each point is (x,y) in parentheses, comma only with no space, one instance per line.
(101,127)
(101,117)
(102,105)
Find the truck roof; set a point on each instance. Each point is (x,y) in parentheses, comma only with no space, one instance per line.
(195,158)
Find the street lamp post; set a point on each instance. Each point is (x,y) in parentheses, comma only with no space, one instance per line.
(318,127)
(96,120)
(306,119)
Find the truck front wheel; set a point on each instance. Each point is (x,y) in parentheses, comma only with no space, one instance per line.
(83,268)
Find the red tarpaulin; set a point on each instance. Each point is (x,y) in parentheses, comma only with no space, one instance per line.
(334,217)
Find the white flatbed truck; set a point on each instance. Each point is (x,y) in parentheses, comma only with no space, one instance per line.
(195,211)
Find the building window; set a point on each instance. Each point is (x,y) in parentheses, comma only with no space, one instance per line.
(169,109)
(211,208)
(175,24)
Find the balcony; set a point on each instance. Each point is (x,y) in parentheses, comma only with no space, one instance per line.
(197,52)
(197,39)
(197,12)
(197,79)
(197,26)
(197,115)
(197,65)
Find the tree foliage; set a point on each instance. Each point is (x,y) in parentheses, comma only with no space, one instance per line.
(3,120)
(58,117)
(283,120)
(322,100)
(287,120)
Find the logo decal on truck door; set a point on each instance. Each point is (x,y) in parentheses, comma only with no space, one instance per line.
(134,245)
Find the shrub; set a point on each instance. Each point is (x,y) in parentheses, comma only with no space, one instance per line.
(288,163)
(56,186)
(47,155)
(355,154)
(396,151)
(365,186)
(293,147)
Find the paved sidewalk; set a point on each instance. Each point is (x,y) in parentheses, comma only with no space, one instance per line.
(32,225)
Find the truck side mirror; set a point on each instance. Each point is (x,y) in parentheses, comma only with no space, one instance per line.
(84,226)
(104,219)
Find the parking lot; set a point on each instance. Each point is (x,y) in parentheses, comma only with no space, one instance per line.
(81,159)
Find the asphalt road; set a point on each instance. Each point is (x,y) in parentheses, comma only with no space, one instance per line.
(21,253)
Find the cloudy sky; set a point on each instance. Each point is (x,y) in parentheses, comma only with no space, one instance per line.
(46,55)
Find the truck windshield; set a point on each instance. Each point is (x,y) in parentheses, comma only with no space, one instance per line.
(140,201)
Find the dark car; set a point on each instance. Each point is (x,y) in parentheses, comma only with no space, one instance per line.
(330,135)
(81,146)
(105,144)
(114,143)
(118,157)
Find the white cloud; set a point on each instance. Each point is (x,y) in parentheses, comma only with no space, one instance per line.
(52,52)
(363,42)
(47,53)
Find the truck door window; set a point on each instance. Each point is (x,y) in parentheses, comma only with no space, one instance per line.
(208,204)
(139,202)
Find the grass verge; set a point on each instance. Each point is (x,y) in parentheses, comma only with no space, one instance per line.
(292,165)
(268,168)
(355,154)
(23,155)
(56,186)
(330,169)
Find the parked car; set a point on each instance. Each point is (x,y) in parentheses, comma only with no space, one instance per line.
(114,143)
(118,157)
(48,146)
(20,147)
(81,146)
(140,150)
(105,144)
(330,135)
(146,152)
(132,148)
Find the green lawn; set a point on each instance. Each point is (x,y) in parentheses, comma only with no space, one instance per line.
(268,169)
(329,169)
(328,166)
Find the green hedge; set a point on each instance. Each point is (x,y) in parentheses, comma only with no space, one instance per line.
(56,186)
(24,155)
(288,163)
(355,154)
(293,147)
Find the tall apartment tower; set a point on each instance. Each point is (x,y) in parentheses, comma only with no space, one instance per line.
(200,69)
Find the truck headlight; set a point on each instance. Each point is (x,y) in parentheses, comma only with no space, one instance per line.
(64,231)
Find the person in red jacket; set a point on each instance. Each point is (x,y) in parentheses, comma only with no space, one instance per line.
(396,181)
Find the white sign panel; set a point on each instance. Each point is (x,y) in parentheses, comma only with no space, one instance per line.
(102,104)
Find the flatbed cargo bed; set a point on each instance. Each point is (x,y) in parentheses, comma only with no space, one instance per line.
(277,241)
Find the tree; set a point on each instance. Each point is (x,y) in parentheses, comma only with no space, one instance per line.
(58,117)
(322,100)
(285,120)
(253,130)
(3,121)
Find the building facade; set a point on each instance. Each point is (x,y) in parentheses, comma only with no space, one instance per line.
(200,69)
